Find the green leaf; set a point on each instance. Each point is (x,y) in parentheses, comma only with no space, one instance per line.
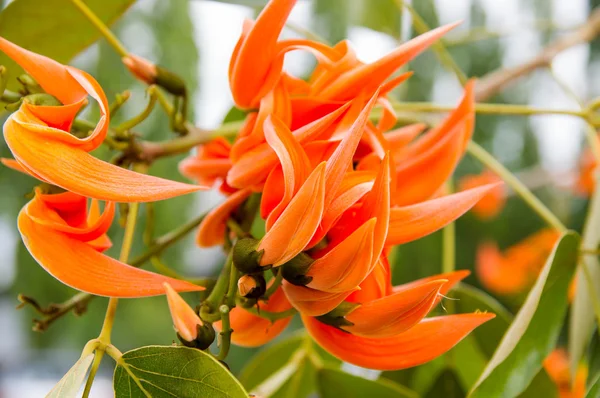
(593,378)
(286,368)
(54,28)
(581,322)
(534,332)
(70,384)
(334,383)
(171,371)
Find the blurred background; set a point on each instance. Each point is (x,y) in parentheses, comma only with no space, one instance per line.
(195,38)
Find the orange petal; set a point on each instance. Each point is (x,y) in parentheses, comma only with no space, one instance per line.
(345,266)
(402,136)
(184,317)
(429,161)
(413,222)
(294,163)
(297,224)
(370,76)
(376,285)
(95,217)
(341,160)
(425,341)
(313,302)
(452,278)
(491,204)
(78,265)
(212,229)
(252,61)
(396,313)
(498,275)
(77,171)
(250,330)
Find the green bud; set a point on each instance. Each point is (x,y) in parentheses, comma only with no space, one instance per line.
(170,82)
(294,271)
(245,257)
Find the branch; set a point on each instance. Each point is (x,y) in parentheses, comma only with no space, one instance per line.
(496,81)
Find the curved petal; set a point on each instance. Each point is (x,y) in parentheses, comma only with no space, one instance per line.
(393,314)
(368,77)
(498,275)
(211,231)
(345,266)
(413,222)
(423,342)
(78,265)
(250,330)
(95,217)
(297,224)
(311,302)
(184,317)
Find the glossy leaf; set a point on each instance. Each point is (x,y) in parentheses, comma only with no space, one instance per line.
(172,371)
(302,378)
(534,332)
(39,26)
(69,385)
(334,383)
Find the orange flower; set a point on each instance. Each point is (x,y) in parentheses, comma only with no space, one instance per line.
(491,204)
(515,270)
(387,330)
(67,240)
(586,180)
(210,164)
(39,138)
(185,319)
(557,366)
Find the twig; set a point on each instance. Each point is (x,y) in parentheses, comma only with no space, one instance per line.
(496,81)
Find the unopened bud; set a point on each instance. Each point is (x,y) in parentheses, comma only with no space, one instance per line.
(141,68)
(252,286)
(185,319)
(205,336)
(245,257)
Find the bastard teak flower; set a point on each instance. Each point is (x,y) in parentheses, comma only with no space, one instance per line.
(338,189)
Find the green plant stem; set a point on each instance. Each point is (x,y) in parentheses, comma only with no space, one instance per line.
(272,316)
(274,286)
(109,318)
(131,123)
(209,309)
(489,161)
(225,332)
(101,26)
(449,243)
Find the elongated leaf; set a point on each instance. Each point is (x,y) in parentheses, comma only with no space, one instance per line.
(334,383)
(301,380)
(54,28)
(69,385)
(170,371)
(581,322)
(593,379)
(534,332)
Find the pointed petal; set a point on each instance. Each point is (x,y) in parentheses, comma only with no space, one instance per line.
(425,341)
(78,265)
(402,136)
(452,278)
(370,76)
(396,313)
(347,264)
(297,224)
(250,330)
(341,160)
(311,302)
(184,317)
(212,229)
(253,60)
(77,171)
(376,285)
(413,222)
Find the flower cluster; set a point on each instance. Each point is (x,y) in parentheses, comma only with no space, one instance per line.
(338,190)
(59,230)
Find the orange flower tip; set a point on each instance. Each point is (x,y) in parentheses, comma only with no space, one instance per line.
(186,321)
(141,68)
(252,286)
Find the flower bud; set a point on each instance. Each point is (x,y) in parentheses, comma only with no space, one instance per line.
(141,68)
(252,286)
(294,271)
(185,319)
(245,257)
(205,337)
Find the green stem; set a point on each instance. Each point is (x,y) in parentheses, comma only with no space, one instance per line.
(275,285)
(131,123)
(101,26)
(489,161)
(98,354)
(225,332)
(272,316)
(449,243)
(208,312)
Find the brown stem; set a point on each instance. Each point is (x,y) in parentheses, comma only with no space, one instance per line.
(496,81)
